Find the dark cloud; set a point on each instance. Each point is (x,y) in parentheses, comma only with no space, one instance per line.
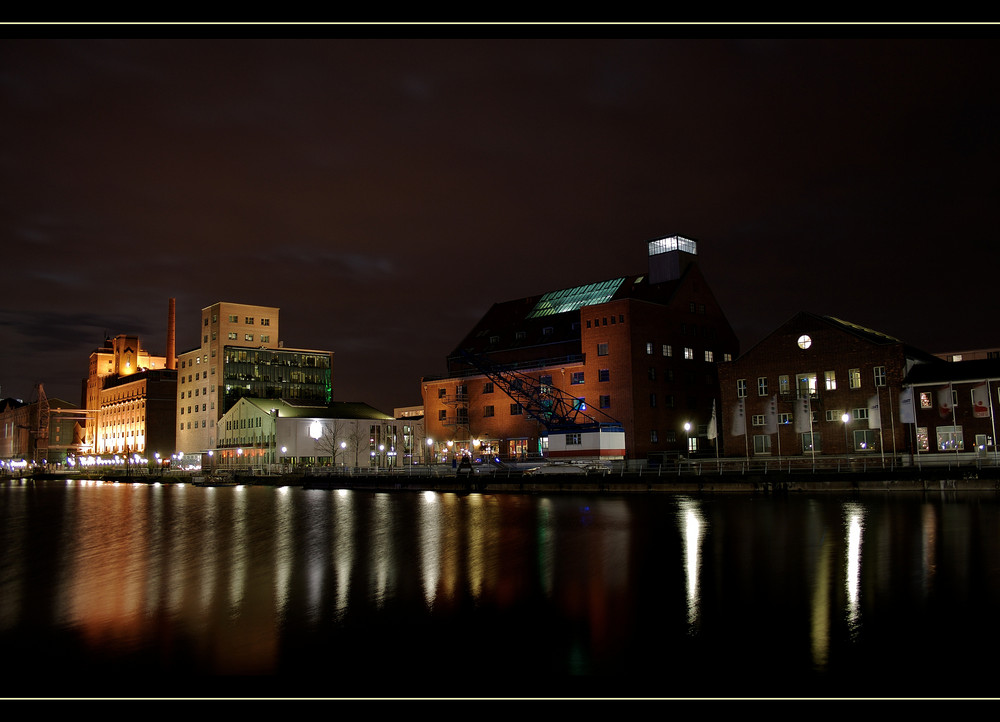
(384,193)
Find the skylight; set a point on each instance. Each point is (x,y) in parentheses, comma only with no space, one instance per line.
(571,299)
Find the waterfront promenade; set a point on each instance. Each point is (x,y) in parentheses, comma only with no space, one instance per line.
(792,474)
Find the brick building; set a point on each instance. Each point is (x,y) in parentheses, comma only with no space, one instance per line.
(953,409)
(640,350)
(818,384)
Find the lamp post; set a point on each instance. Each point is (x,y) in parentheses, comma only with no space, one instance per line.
(687,439)
(847,449)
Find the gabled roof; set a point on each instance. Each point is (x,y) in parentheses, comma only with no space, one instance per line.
(866,334)
(548,319)
(333,410)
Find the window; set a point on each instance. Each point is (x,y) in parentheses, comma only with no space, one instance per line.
(265,322)
(926,400)
(649,347)
(651,373)
(762,385)
(442,415)
(604,375)
(812,442)
(741,388)
(949,438)
(757,420)
(605,401)
(233,318)
(922,441)
(515,409)
(576,378)
(831,380)
(709,356)
(487,411)
(602,349)
(855,377)
(232,335)
(441,393)
(488,388)
(688,353)
(859,414)
(834,414)
(668,350)
(654,436)
(652,400)
(762,444)
(783,385)
(572,439)
(727,357)
(864,440)
(805,385)
(880,375)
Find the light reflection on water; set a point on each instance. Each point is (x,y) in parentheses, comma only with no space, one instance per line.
(292,583)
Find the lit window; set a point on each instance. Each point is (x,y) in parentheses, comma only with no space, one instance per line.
(831,380)
(855,377)
(602,349)
(576,378)
(709,356)
(688,353)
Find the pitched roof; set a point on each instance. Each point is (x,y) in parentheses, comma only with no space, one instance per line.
(333,410)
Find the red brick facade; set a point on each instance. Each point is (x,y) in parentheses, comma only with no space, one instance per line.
(646,358)
(841,367)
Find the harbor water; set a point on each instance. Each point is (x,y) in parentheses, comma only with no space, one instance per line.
(171,590)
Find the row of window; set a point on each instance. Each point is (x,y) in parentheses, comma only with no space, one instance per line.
(807,384)
(948,438)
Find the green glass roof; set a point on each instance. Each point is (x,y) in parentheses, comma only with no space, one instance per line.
(571,299)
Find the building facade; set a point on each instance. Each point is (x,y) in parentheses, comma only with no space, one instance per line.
(108,428)
(270,433)
(38,433)
(818,385)
(950,410)
(639,351)
(240,354)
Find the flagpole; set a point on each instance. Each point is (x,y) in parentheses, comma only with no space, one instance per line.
(892,424)
(993,422)
(954,419)
(881,438)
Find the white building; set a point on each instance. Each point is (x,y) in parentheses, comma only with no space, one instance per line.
(258,433)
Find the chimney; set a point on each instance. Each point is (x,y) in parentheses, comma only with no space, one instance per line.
(171,351)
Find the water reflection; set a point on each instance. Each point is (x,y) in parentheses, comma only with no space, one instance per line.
(258,580)
(693,532)
(854,524)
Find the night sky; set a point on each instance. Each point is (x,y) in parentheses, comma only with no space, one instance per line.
(385,192)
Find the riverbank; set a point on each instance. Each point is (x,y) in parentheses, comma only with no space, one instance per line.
(699,480)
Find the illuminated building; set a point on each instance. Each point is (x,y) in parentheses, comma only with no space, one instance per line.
(129,400)
(239,355)
(818,385)
(261,433)
(641,350)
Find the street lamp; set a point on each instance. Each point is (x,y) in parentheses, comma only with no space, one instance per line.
(687,434)
(847,449)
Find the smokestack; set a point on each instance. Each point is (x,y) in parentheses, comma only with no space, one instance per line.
(171,351)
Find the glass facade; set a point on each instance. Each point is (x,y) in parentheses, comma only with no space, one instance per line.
(276,374)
